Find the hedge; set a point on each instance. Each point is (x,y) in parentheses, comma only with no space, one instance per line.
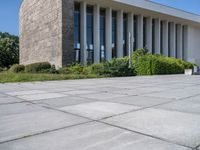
(37,67)
(159,65)
(119,67)
(1,69)
(73,69)
(17,68)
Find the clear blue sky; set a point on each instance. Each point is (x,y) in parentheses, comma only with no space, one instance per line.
(9,11)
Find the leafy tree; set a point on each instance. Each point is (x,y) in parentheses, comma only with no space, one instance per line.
(9,49)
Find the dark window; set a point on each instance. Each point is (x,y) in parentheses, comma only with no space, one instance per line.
(169,39)
(135,32)
(90,46)
(176,37)
(144,32)
(125,34)
(102,34)
(153,36)
(183,39)
(77,31)
(161,37)
(114,34)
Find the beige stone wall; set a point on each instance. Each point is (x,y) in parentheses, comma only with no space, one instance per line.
(41,31)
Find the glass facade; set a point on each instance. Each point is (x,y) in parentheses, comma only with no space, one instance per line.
(161,37)
(183,40)
(169,39)
(153,36)
(90,28)
(102,35)
(144,32)
(125,34)
(114,34)
(77,32)
(135,32)
(176,39)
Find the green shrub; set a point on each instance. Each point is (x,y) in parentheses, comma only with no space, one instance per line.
(159,65)
(37,67)
(1,69)
(51,70)
(96,69)
(119,67)
(74,69)
(17,68)
(139,53)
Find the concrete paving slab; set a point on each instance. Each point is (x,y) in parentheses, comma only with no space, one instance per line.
(2,95)
(59,89)
(102,96)
(18,108)
(140,101)
(9,99)
(99,110)
(107,89)
(181,128)
(28,92)
(194,98)
(10,87)
(27,124)
(139,91)
(35,97)
(79,92)
(187,106)
(174,122)
(175,94)
(90,136)
(63,101)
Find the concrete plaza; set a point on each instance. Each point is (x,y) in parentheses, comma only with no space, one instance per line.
(135,113)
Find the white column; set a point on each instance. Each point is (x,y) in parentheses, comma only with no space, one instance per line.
(83,34)
(140,31)
(165,38)
(120,33)
(130,30)
(172,40)
(108,34)
(179,42)
(149,34)
(157,36)
(96,34)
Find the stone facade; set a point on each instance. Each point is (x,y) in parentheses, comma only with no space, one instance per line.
(46,31)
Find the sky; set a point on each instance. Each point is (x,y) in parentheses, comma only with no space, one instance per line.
(9,11)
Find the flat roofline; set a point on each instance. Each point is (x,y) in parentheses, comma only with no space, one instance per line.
(174,8)
(162,9)
(195,17)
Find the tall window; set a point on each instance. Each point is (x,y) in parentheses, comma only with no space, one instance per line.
(90,42)
(77,31)
(125,34)
(169,39)
(161,37)
(144,32)
(183,40)
(176,37)
(114,34)
(102,34)
(135,32)
(153,36)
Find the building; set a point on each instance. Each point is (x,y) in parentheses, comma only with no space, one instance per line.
(90,31)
